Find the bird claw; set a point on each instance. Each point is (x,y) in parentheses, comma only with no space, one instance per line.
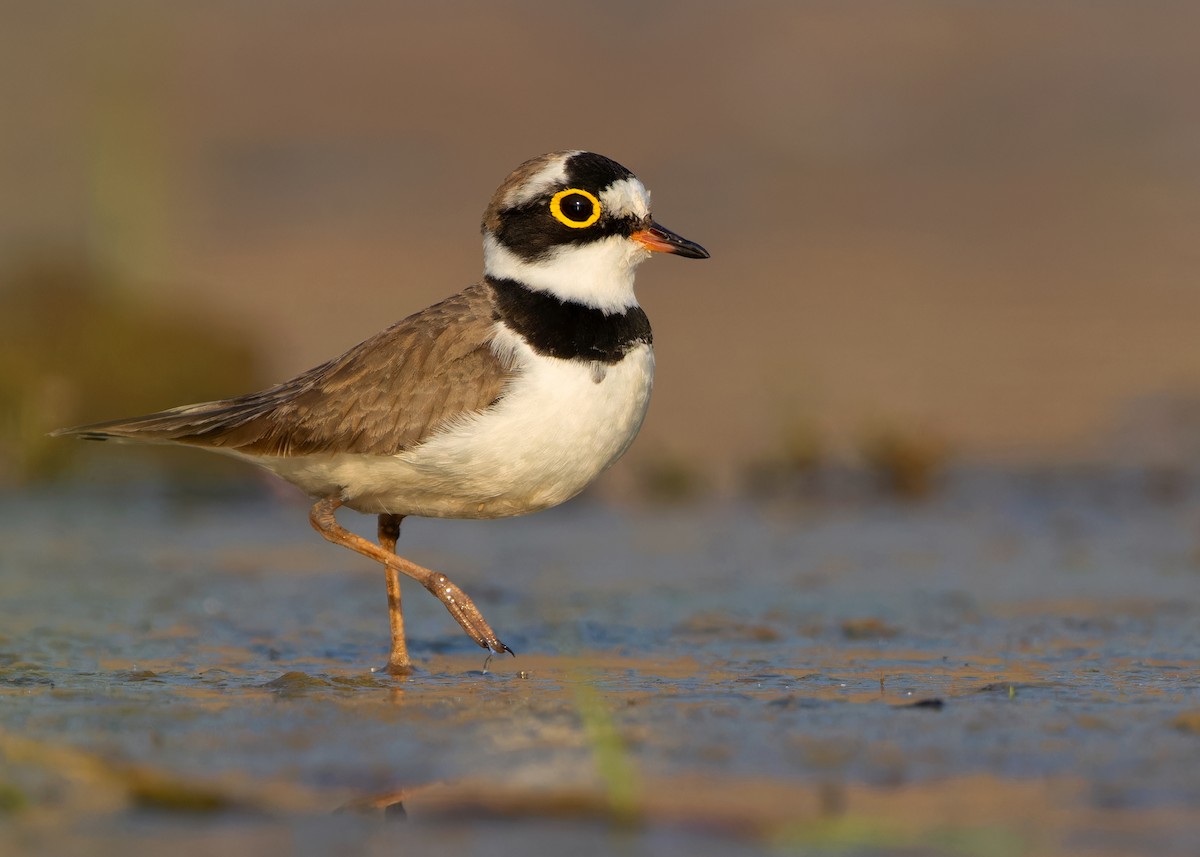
(495,647)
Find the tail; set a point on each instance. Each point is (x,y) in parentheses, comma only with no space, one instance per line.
(204,424)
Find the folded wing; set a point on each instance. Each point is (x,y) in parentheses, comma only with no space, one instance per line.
(385,395)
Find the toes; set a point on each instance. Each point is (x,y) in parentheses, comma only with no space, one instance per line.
(492,644)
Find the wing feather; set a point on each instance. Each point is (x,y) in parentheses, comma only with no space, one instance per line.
(385,395)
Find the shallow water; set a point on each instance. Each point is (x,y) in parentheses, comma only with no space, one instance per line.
(1010,668)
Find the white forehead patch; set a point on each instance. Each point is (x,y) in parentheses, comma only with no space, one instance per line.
(553,174)
(626,197)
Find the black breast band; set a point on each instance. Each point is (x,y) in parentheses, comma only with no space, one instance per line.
(567,329)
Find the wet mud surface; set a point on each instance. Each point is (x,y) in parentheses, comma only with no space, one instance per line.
(1010,668)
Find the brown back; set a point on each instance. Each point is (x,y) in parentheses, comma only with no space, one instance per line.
(383,396)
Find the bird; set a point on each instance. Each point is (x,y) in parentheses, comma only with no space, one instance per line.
(506,398)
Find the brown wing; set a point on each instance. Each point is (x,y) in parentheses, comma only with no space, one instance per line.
(383,396)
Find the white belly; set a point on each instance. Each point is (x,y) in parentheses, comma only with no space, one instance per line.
(559,424)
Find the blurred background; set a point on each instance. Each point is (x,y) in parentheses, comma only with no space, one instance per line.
(939,232)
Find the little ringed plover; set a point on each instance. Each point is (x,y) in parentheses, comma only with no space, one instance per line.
(506,398)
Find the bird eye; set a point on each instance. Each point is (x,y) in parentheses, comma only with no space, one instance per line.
(575,208)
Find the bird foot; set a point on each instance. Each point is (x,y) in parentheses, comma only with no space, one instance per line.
(465,613)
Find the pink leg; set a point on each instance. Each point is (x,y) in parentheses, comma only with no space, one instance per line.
(461,607)
(389,532)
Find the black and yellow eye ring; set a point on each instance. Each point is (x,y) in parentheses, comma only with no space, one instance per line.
(575,208)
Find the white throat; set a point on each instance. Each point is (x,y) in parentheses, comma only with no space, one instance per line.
(598,274)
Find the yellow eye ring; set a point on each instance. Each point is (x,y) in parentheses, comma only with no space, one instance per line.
(556,202)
